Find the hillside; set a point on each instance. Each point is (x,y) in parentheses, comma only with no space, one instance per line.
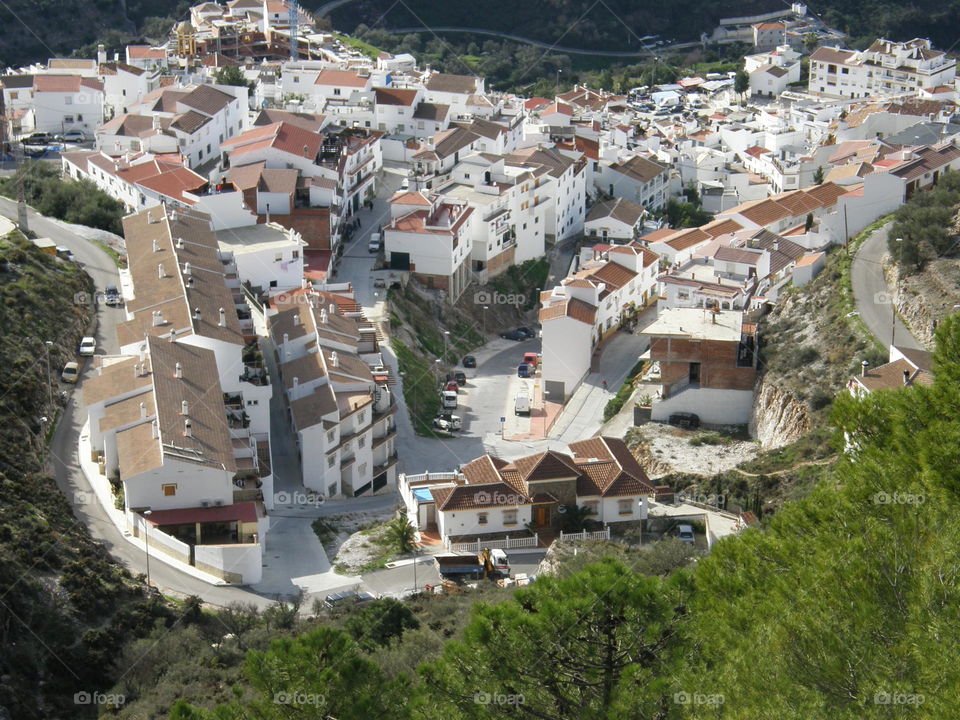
(66,607)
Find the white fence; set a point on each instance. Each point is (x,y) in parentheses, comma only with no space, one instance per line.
(507,543)
(598,535)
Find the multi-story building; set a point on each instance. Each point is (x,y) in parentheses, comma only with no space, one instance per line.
(565,194)
(340,405)
(65,103)
(576,314)
(708,364)
(884,68)
(125,85)
(637,179)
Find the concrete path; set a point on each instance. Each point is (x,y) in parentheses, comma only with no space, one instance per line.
(874,299)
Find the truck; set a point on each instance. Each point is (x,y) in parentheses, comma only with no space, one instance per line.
(485,564)
(521,404)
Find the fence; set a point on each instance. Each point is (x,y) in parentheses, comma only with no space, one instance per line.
(598,535)
(507,543)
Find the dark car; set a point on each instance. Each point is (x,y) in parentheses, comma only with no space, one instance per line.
(460,377)
(469,361)
(523,371)
(689,421)
(111,296)
(529,332)
(513,335)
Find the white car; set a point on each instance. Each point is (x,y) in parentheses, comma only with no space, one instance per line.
(685,533)
(88,346)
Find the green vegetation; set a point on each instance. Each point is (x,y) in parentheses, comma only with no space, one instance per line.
(366,48)
(419,387)
(67,607)
(79,201)
(616,403)
(925,227)
(401,534)
(523,281)
(232,75)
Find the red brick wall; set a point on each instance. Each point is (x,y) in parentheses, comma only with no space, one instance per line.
(433,282)
(312,223)
(501,262)
(718,363)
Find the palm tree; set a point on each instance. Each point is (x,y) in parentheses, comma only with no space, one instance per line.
(402,534)
(574,518)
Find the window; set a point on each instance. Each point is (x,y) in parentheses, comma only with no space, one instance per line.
(252,402)
(273,283)
(482,518)
(331,436)
(509,517)
(68,101)
(296,79)
(592,507)
(331,461)
(362,441)
(124,92)
(79,118)
(208,148)
(296,254)
(169,490)
(14,95)
(625,507)
(332,490)
(362,417)
(68,118)
(278,257)
(362,470)
(336,91)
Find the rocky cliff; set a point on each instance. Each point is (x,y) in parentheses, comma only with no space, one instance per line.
(779,418)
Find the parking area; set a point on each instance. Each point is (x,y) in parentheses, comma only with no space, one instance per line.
(492,388)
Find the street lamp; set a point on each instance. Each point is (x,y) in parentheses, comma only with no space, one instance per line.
(485,308)
(436,370)
(46,346)
(446,338)
(146,540)
(416,552)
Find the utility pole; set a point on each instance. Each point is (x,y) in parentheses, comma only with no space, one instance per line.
(896,288)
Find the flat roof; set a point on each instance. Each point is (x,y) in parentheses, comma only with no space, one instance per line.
(252,237)
(698,323)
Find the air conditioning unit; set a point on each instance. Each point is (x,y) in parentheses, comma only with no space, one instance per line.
(204,503)
(218,503)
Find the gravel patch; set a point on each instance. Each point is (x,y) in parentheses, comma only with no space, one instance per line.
(664,449)
(356,544)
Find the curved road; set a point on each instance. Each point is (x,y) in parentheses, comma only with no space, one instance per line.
(872,296)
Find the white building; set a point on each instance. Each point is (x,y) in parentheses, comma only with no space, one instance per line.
(884,68)
(65,103)
(268,256)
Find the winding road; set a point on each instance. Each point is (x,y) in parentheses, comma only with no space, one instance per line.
(873,297)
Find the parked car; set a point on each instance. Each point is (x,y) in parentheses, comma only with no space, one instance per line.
(71,372)
(513,335)
(112,296)
(88,346)
(523,370)
(460,377)
(38,138)
(689,421)
(469,361)
(347,598)
(685,533)
(74,136)
(529,332)
(447,422)
(452,385)
(521,404)
(374,244)
(532,359)
(64,252)
(449,399)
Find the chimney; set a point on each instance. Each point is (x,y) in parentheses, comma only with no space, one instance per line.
(332,309)
(101,54)
(157,318)
(136,370)
(173,218)
(196,314)
(143,352)
(334,359)
(303,283)
(179,243)
(173,335)
(222,321)
(178,371)
(863,368)
(187,428)
(156,245)
(323,317)
(149,217)
(161,273)
(296,381)
(155,427)
(286,338)
(296,319)
(184,408)
(906,377)
(143,411)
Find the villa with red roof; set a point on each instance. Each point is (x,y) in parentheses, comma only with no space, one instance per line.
(65,103)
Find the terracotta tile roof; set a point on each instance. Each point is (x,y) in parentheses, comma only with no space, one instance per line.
(469,497)
(827,194)
(658,235)
(207,99)
(246,512)
(341,78)
(431,111)
(462,84)
(411,197)
(311,122)
(281,136)
(891,376)
(572,308)
(128,411)
(113,68)
(619,209)
(314,408)
(303,370)
(395,96)
(613,275)
(721,227)
(114,379)
(145,52)
(175,295)
(189,122)
(639,168)
(64,83)
(688,239)
(738,255)
(831,55)
(763,212)
(547,465)
(484,470)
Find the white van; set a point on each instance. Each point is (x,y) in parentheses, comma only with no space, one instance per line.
(521,405)
(374,244)
(449,398)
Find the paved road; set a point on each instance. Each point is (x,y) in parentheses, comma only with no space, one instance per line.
(872,296)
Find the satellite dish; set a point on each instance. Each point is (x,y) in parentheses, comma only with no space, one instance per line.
(264,103)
